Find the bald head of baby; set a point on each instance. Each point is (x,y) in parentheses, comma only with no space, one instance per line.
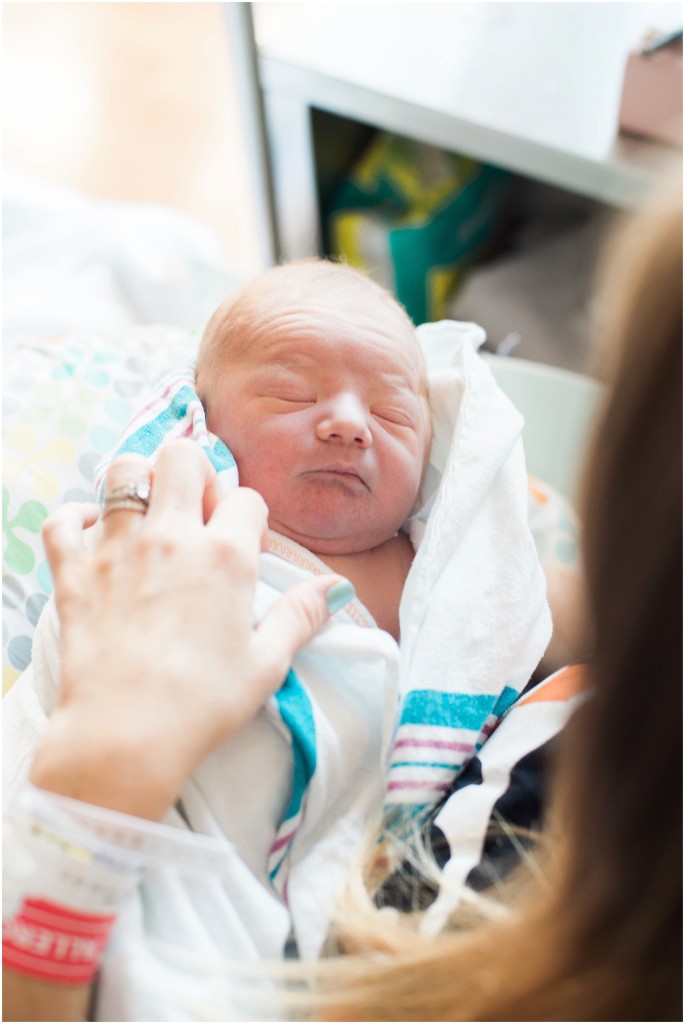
(337,293)
(313,376)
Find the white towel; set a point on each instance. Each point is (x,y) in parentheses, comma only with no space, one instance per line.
(474,618)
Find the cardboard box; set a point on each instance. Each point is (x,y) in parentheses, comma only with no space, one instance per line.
(652,98)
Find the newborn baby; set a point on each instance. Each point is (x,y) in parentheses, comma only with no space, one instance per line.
(313,377)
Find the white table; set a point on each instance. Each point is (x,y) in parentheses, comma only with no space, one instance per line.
(531,87)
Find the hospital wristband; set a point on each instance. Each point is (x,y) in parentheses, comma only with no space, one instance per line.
(62,888)
(51,942)
(68,866)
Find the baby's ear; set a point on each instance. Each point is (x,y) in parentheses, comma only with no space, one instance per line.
(201,382)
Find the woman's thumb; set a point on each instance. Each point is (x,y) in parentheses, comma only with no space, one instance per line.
(297,615)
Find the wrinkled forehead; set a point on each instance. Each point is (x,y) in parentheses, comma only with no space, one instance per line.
(298,307)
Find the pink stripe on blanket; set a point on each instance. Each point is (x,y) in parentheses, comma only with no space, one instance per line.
(160,393)
(282,841)
(419,785)
(436,744)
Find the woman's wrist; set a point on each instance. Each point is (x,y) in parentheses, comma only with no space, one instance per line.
(62,890)
(107,766)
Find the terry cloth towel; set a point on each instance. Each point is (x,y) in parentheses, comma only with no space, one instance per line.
(474,619)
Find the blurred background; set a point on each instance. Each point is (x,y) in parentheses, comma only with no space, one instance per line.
(130,101)
(466,154)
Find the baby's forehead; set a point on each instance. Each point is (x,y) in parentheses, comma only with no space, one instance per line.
(319,338)
(296,302)
(309,284)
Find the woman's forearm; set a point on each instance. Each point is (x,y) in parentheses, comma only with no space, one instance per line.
(116,770)
(28,999)
(161,662)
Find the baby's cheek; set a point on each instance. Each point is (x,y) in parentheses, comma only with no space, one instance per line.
(417,462)
(260,470)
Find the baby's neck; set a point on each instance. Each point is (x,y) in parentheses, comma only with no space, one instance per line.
(378,576)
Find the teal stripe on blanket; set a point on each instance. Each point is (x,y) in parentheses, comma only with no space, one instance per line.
(506,698)
(220,456)
(147,438)
(446,765)
(454,710)
(296,711)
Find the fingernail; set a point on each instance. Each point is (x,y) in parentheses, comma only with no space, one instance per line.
(339,595)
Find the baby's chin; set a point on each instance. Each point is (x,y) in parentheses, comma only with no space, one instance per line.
(341,540)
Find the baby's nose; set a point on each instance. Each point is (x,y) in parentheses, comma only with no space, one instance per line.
(344,419)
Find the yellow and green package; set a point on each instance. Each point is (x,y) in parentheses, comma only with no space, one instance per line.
(414,217)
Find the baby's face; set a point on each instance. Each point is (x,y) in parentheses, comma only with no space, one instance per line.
(327,418)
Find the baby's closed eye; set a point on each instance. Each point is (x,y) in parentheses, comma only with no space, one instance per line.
(287,396)
(398,417)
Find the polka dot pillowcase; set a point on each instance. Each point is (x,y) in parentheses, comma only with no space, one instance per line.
(66,400)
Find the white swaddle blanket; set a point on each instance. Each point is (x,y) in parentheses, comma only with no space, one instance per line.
(289,800)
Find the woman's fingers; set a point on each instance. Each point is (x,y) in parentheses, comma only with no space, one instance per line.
(127,487)
(184,488)
(297,615)
(63,532)
(63,537)
(184,479)
(158,636)
(241,515)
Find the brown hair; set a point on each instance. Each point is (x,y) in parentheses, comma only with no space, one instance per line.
(622,793)
(602,939)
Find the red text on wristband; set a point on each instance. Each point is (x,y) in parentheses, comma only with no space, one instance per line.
(55,943)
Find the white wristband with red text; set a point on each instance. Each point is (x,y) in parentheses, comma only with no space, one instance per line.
(67,868)
(61,891)
(55,943)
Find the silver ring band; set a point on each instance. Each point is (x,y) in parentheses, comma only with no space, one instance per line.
(132,497)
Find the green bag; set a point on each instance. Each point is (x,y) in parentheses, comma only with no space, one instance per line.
(415,217)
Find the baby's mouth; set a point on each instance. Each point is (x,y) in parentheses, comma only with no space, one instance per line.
(345,474)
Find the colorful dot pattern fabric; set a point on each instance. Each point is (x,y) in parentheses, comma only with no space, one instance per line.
(554,526)
(65,401)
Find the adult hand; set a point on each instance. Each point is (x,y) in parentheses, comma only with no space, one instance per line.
(161,661)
